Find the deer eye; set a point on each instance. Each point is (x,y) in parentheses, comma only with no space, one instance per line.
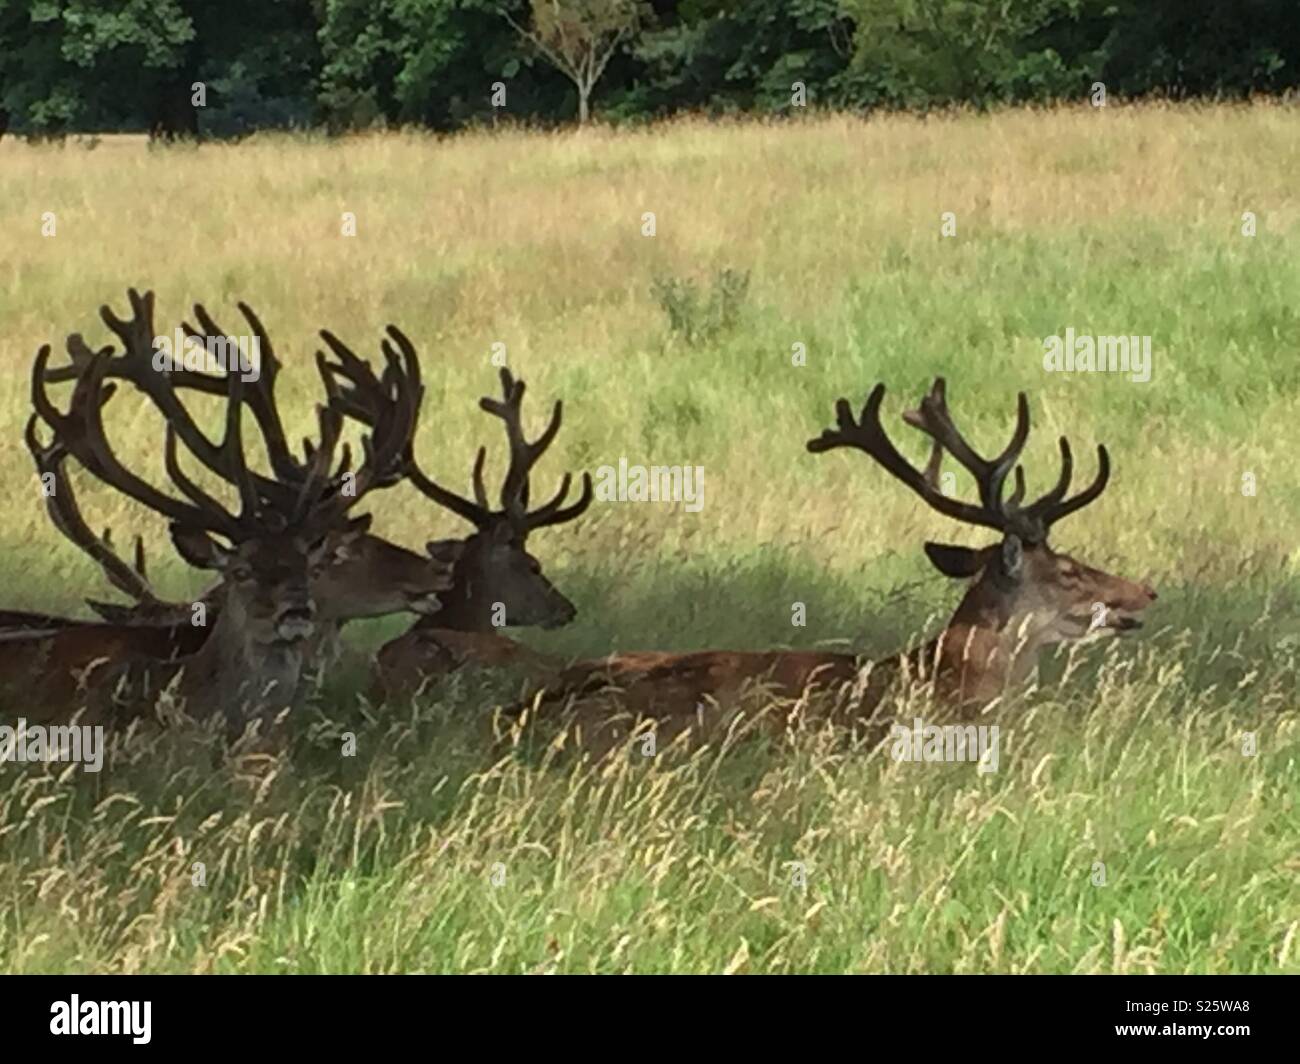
(241,572)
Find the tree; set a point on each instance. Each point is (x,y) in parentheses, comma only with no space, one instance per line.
(579,37)
(922,53)
(721,56)
(132,64)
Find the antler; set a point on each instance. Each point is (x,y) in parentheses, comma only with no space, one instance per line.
(260,397)
(65,512)
(136,364)
(933,419)
(81,433)
(524,454)
(301,492)
(1031,523)
(389,405)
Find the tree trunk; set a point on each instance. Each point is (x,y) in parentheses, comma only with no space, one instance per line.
(173,114)
(584,105)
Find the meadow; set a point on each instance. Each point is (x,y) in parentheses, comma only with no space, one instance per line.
(1126,829)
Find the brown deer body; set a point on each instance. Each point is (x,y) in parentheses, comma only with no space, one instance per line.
(1024,596)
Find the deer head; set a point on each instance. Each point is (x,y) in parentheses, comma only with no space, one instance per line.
(1024,594)
(493,571)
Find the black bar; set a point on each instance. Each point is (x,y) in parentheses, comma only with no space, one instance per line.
(459,1014)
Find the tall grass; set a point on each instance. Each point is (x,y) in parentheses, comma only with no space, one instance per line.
(1127,756)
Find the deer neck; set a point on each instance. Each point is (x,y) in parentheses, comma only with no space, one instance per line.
(460,614)
(985,648)
(269,677)
(461,610)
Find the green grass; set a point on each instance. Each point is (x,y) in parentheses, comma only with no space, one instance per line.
(1127,754)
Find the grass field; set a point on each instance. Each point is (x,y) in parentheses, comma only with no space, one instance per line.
(1124,831)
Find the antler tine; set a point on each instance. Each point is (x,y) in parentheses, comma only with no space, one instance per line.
(371,400)
(1013,500)
(1052,509)
(403,378)
(523,455)
(400,394)
(360,401)
(232,445)
(171,461)
(137,332)
(867,434)
(376,401)
(934,465)
(81,431)
(260,397)
(317,485)
(80,353)
(552,513)
(389,406)
(934,419)
(480,488)
(65,513)
(1030,518)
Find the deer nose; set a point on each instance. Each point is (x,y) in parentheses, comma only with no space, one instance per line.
(1151,592)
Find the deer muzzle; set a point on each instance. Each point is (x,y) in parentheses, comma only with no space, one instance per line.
(295,624)
(425,604)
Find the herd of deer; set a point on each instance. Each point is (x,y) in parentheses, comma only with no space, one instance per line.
(294,562)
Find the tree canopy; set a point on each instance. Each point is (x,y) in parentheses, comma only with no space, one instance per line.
(177,67)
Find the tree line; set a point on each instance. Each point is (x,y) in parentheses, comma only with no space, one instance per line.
(228,67)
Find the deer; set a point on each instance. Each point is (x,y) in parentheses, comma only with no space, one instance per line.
(496,582)
(368,577)
(1023,596)
(271,553)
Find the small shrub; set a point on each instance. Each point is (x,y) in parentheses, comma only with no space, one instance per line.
(699,316)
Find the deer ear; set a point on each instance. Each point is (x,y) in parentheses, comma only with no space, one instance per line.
(959,562)
(359,526)
(198,548)
(1011,560)
(447,551)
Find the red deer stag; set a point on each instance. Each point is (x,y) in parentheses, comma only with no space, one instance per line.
(496,581)
(265,639)
(366,575)
(1024,597)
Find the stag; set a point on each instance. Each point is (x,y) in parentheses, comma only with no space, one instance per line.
(1023,596)
(496,582)
(366,575)
(291,540)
